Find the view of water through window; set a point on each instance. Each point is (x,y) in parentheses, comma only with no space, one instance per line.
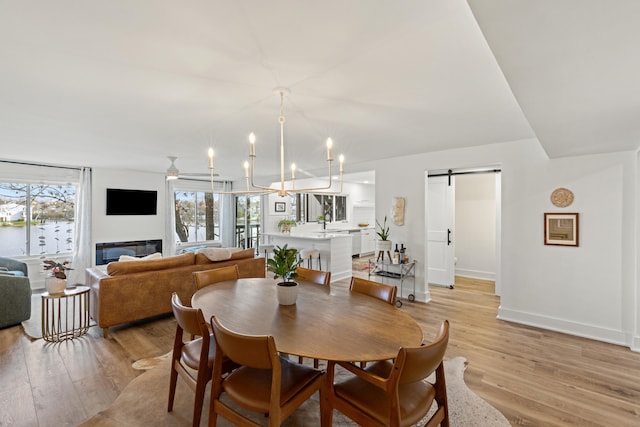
(36,219)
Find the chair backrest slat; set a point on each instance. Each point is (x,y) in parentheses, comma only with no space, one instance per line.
(190,319)
(255,351)
(314,276)
(209,277)
(378,290)
(420,362)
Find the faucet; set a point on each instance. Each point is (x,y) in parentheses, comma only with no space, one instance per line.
(324,221)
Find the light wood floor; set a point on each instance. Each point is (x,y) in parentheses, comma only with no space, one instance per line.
(534,377)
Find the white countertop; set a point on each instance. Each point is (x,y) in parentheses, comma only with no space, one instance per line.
(315,235)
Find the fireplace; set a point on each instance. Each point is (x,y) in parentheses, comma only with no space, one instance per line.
(111,251)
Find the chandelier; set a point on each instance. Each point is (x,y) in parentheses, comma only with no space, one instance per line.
(249,166)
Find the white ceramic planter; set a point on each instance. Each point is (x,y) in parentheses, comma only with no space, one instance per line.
(53,285)
(383,245)
(287,295)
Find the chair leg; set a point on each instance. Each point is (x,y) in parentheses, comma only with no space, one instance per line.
(172,386)
(201,385)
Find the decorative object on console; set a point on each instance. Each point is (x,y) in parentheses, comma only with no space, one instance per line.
(284,263)
(561,229)
(56,281)
(383,244)
(397,208)
(562,197)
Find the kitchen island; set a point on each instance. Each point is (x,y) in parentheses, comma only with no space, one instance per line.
(335,249)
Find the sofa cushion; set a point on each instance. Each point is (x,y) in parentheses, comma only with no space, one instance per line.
(119,268)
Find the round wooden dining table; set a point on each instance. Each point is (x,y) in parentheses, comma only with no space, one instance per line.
(323,324)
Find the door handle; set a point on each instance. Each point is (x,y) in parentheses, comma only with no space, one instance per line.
(448,236)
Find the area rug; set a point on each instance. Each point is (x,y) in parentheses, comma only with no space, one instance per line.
(144,403)
(361,264)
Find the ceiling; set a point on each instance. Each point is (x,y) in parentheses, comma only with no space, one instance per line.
(123,84)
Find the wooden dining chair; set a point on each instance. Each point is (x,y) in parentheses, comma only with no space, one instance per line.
(314,276)
(392,393)
(320,278)
(209,277)
(375,289)
(192,360)
(264,383)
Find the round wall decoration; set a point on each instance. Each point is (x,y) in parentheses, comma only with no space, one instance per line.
(561,197)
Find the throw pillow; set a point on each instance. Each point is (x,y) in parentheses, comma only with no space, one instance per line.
(216,254)
(126,258)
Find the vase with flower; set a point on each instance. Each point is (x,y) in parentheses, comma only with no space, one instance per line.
(56,281)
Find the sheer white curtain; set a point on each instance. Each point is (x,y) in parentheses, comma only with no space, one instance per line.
(227,215)
(169,246)
(82,229)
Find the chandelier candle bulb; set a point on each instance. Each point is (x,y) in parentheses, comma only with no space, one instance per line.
(210,158)
(252,144)
(329,146)
(293,171)
(246,169)
(341,158)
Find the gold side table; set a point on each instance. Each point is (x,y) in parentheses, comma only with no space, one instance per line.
(65,316)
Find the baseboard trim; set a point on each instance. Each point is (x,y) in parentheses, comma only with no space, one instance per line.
(476,274)
(583,330)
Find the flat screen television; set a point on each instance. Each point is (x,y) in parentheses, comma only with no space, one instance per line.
(131,202)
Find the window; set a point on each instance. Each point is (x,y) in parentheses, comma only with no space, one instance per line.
(247,221)
(197,216)
(333,208)
(36,219)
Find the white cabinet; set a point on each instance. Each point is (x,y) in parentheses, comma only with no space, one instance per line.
(367,241)
(355,242)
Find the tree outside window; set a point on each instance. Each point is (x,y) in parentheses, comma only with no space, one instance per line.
(197,216)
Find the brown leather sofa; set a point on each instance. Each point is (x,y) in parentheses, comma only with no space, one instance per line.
(135,290)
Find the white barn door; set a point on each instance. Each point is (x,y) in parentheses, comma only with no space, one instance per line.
(440,201)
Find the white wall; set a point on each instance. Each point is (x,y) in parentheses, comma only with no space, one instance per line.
(475,226)
(590,290)
(127,227)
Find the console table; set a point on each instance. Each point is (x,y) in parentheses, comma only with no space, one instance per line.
(65,315)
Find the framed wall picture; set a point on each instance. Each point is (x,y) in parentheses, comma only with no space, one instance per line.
(281,206)
(561,229)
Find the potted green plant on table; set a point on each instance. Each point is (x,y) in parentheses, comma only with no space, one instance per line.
(56,280)
(285,225)
(283,265)
(383,244)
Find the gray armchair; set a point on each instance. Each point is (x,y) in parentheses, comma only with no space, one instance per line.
(15,292)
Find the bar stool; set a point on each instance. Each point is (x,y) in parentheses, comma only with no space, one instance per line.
(266,250)
(309,255)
